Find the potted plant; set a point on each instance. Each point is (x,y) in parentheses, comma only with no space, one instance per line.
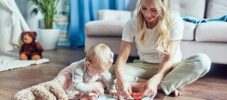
(48,36)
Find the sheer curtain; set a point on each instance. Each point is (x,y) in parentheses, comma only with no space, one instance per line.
(11,25)
(82,11)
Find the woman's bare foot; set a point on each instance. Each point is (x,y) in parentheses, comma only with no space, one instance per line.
(176,93)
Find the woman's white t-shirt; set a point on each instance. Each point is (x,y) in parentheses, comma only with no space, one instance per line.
(147,51)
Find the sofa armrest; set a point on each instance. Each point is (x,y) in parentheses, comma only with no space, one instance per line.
(114,15)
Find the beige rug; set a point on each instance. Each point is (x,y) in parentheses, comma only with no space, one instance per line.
(10,60)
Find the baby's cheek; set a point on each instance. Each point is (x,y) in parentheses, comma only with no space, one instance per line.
(111,60)
(110,66)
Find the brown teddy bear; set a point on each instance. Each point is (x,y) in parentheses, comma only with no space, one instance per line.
(30,49)
(50,90)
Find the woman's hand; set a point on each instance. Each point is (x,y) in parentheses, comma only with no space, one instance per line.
(151,87)
(124,89)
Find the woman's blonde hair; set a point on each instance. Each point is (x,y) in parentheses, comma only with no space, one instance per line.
(163,27)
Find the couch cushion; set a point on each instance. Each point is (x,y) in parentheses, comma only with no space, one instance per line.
(216,8)
(114,15)
(211,31)
(189,31)
(194,8)
(105,28)
(217,52)
(115,28)
(112,42)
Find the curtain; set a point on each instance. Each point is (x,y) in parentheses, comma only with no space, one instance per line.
(11,25)
(82,11)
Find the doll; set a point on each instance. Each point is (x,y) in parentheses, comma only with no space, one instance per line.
(30,49)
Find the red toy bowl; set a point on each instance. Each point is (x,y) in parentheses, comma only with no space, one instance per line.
(137,95)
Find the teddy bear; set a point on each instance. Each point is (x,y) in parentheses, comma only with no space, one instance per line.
(30,49)
(50,90)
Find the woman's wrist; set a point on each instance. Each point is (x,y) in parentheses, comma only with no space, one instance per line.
(119,76)
(118,72)
(159,75)
(156,79)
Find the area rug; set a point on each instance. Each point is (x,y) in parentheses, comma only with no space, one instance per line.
(10,61)
(109,97)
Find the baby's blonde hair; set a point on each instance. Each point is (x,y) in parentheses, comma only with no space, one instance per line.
(99,54)
(163,27)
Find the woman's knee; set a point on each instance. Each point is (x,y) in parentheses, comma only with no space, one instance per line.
(203,62)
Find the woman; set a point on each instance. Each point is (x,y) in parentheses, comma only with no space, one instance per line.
(157,34)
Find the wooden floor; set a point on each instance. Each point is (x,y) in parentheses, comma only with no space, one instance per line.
(211,87)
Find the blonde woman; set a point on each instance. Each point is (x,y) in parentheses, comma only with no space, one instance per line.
(157,33)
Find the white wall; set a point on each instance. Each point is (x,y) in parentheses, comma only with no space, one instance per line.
(26,7)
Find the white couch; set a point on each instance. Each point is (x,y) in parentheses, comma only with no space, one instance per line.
(209,38)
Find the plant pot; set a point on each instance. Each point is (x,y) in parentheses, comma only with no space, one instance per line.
(48,38)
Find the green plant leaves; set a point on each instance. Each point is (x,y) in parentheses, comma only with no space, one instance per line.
(47,8)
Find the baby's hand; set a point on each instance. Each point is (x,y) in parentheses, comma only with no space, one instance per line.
(98,90)
(113,92)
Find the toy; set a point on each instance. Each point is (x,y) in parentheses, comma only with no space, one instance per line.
(45,91)
(30,49)
(137,95)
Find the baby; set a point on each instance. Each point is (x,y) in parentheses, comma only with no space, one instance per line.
(90,76)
